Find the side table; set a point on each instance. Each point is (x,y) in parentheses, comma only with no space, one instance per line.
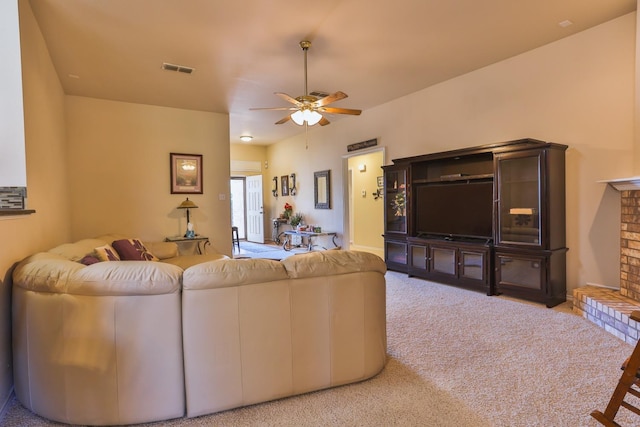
(309,236)
(200,241)
(275,234)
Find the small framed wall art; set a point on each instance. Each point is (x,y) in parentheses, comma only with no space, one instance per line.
(284,185)
(186,173)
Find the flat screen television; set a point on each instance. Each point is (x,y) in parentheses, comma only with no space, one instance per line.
(455,209)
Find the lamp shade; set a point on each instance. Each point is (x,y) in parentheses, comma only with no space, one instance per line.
(298,117)
(313,117)
(305,115)
(187,204)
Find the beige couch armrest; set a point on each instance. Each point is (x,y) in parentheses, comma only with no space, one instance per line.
(51,273)
(232,272)
(329,263)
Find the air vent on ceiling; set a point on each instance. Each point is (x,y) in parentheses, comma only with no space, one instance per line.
(319,94)
(178,68)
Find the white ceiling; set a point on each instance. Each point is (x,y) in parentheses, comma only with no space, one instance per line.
(245,50)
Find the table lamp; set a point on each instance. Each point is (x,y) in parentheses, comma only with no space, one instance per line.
(188,204)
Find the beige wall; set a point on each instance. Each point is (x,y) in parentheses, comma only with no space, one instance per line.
(46,177)
(578,91)
(248,153)
(119,173)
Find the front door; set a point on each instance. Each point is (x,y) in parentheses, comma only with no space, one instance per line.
(255,216)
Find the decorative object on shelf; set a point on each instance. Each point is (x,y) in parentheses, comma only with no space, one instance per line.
(288,211)
(322,189)
(293,189)
(274,187)
(295,220)
(284,179)
(190,231)
(399,202)
(186,173)
(188,204)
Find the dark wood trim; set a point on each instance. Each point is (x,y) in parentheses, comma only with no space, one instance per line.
(12,212)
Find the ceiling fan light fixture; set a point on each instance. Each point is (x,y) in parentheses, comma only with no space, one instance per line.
(313,117)
(305,115)
(298,117)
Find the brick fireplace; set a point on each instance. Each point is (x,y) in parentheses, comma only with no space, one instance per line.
(610,308)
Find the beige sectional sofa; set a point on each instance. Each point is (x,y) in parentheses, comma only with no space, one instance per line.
(125,342)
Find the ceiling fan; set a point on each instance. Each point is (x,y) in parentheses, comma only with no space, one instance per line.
(309,108)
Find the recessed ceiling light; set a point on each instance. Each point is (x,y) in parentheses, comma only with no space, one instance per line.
(246,138)
(565,23)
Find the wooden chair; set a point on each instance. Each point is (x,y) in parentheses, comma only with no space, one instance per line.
(629,383)
(235,241)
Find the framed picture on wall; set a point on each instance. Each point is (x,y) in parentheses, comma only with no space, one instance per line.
(380,181)
(186,173)
(284,185)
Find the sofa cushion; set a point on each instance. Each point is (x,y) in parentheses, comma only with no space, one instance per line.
(329,263)
(76,251)
(125,278)
(232,272)
(45,271)
(132,250)
(106,253)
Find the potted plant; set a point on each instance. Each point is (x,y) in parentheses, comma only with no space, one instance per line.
(288,210)
(295,219)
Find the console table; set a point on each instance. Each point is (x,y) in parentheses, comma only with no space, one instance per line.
(309,235)
(200,241)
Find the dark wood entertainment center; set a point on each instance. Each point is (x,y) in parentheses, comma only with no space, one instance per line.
(489,218)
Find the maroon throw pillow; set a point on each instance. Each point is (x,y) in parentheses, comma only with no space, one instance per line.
(89,259)
(132,250)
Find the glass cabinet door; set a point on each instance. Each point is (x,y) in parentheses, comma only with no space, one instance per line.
(395,187)
(519,195)
(443,260)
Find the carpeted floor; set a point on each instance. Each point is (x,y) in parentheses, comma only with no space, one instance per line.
(457,358)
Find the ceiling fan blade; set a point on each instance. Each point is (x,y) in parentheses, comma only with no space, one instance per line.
(276,108)
(288,98)
(285,119)
(323,121)
(333,110)
(331,98)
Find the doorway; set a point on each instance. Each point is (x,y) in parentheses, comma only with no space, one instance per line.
(365,206)
(238,209)
(246,207)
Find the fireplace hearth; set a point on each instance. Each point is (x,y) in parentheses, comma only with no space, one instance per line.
(610,308)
